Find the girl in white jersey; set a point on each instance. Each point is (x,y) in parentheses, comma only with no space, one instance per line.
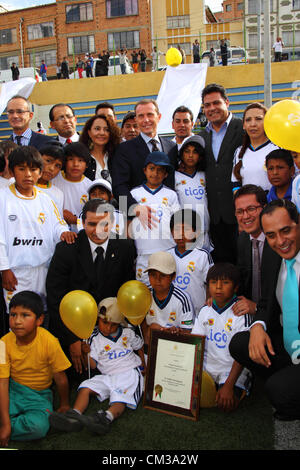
(249,160)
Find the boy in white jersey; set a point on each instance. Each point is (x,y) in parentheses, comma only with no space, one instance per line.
(192,263)
(219,324)
(112,352)
(171,308)
(163,201)
(30,226)
(73,183)
(53,161)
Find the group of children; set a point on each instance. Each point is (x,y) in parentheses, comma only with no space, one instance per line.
(190,295)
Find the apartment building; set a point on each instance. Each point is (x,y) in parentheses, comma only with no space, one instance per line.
(71,28)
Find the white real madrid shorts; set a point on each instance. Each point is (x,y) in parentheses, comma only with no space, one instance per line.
(125,387)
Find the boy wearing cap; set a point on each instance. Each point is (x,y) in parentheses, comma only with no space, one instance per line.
(171,308)
(163,201)
(111,350)
(101,189)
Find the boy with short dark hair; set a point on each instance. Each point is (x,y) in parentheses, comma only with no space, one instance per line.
(53,162)
(31,358)
(120,379)
(218,324)
(163,201)
(280,171)
(73,183)
(30,226)
(192,263)
(171,308)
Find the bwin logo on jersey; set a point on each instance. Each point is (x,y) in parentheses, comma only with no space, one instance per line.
(197,193)
(27,241)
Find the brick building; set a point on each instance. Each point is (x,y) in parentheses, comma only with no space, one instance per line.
(70,28)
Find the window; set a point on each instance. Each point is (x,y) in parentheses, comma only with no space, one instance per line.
(228,7)
(6,62)
(252,7)
(81,44)
(290,38)
(178,22)
(79,12)
(121,8)
(296,5)
(42,30)
(8,36)
(123,40)
(240,6)
(48,56)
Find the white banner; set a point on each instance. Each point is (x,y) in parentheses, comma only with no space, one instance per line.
(22,87)
(181,86)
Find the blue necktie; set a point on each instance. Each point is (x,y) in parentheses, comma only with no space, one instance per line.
(290,308)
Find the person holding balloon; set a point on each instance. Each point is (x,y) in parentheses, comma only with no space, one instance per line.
(249,159)
(112,352)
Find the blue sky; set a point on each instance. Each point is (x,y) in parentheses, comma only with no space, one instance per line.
(215,5)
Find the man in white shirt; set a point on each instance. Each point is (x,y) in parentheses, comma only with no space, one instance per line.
(272,348)
(63,120)
(277,47)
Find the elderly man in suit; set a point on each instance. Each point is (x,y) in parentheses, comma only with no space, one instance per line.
(98,263)
(223,134)
(129,159)
(19,117)
(272,346)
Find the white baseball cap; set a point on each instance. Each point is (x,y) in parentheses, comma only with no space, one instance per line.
(100,182)
(108,309)
(163,262)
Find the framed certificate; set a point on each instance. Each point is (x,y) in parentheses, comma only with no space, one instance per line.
(174,372)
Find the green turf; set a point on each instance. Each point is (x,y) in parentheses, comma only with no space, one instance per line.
(250,427)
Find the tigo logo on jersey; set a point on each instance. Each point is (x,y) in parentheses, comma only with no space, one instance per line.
(41,218)
(197,193)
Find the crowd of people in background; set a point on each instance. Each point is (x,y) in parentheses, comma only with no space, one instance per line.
(205,221)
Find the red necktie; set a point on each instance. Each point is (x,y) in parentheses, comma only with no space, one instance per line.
(68,141)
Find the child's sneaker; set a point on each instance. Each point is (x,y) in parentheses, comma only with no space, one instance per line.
(98,422)
(68,422)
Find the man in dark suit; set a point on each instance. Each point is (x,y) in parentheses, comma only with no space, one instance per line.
(253,251)
(129,159)
(223,134)
(83,268)
(272,346)
(19,117)
(63,120)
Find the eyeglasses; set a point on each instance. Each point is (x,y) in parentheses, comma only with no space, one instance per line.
(63,118)
(251,210)
(10,112)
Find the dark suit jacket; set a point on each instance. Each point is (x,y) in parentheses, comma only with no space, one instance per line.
(244,262)
(38,140)
(218,173)
(72,268)
(128,164)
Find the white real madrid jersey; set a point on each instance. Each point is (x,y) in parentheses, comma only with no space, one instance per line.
(219,326)
(54,193)
(165,202)
(115,355)
(253,169)
(176,310)
(191,271)
(75,193)
(30,228)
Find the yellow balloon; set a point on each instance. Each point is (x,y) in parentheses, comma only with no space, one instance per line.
(282,124)
(208,391)
(134,300)
(173,57)
(78,310)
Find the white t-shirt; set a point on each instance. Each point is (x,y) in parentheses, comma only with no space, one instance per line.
(253,169)
(114,355)
(30,228)
(191,271)
(165,202)
(277,46)
(176,310)
(75,193)
(54,193)
(219,326)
